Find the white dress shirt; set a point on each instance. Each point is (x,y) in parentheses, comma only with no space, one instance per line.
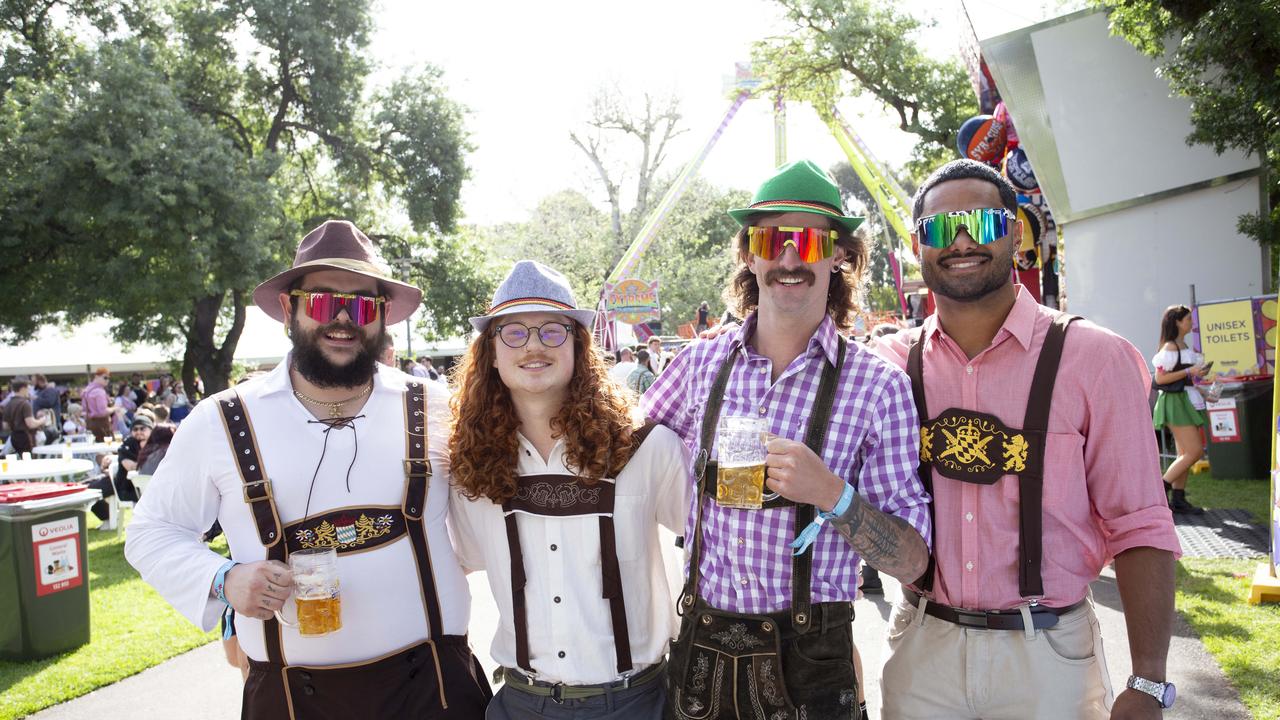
(196,483)
(570,628)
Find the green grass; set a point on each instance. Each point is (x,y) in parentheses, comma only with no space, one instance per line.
(1253,495)
(131,629)
(1212,594)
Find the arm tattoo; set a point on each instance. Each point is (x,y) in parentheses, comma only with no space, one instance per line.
(886,542)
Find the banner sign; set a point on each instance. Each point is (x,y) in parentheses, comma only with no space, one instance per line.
(1237,336)
(56,546)
(632,301)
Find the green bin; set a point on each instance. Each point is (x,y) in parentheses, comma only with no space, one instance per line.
(1239,431)
(44,574)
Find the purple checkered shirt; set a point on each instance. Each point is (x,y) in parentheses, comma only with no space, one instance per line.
(872,440)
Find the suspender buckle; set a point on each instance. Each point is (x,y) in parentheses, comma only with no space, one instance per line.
(266,486)
(417,467)
(700,464)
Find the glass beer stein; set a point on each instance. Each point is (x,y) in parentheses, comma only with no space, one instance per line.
(740,447)
(316,594)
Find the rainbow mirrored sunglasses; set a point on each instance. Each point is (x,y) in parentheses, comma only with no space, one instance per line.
(324,306)
(984,225)
(811,244)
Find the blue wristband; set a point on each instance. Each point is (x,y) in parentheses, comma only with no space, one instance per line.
(220,581)
(810,533)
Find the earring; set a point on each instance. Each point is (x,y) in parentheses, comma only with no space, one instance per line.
(839,268)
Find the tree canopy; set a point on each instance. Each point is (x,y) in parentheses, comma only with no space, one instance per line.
(171,155)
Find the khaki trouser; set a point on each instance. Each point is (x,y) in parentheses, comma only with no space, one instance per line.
(937,669)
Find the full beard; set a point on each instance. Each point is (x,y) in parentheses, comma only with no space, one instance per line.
(311,363)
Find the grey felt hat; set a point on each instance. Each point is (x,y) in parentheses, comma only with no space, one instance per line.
(534,287)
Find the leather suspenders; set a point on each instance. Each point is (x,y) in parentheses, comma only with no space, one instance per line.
(1034,432)
(567,496)
(815,434)
(257,492)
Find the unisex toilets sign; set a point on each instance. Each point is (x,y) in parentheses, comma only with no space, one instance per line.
(1238,336)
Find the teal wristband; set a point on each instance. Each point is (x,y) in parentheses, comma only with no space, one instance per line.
(220,581)
(810,533)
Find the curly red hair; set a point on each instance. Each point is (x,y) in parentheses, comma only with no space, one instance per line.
(596,422)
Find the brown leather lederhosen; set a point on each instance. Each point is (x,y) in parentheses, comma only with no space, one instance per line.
(452,685)
(965,454)
(568,496)
(779,666)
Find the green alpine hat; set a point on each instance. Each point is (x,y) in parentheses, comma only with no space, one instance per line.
(800,186)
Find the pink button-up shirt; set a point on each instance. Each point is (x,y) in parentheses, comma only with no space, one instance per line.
(1102,488)
(94,399)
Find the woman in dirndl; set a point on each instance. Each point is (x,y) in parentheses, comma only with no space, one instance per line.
(1179,405)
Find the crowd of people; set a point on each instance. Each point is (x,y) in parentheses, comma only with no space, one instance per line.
(969,458)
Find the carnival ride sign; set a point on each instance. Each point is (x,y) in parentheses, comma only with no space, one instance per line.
(632,301)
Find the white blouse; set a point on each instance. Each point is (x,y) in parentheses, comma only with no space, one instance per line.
(1166,360)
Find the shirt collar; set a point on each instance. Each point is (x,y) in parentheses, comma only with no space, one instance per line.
(824,340)
(1020,322)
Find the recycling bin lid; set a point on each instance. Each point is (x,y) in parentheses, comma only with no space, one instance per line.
(24,498)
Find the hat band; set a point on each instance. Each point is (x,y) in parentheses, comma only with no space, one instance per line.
(556,304)
(820,207)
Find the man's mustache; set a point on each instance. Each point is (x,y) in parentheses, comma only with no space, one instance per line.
(779,274)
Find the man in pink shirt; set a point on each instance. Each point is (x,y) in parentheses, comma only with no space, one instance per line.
(1043,469)
(97,405)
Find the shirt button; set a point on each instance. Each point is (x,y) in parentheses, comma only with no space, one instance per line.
(968,369)
(763,410)
(554,547)
(742,581)
(969,566)
(968,516)
(764,370)
(560,654)
(742,542)
(556,598)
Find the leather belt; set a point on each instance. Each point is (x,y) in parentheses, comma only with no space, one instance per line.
(1041,616)
(560,692)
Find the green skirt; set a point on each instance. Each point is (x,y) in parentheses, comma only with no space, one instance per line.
(1175,409)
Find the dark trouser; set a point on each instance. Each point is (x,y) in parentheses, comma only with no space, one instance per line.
(403,685)
(643,702)
(726,665)
(108,488)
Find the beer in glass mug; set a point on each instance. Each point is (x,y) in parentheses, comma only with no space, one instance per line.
(740,462)
(316,593)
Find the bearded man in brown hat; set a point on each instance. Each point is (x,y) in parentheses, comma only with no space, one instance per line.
(321,475)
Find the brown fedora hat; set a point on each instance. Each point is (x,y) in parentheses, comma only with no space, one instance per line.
(339,245)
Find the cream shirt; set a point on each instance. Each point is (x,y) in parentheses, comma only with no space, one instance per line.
(196,483)
(570,631)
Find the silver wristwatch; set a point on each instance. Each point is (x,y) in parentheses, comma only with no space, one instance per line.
(1163,692)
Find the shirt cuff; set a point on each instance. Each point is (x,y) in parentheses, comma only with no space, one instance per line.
(1148,527)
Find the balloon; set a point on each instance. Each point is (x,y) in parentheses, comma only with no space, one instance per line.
(1001,113)
(1017,167)
(1032,225)
(981,138)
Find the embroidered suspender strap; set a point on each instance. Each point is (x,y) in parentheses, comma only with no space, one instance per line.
(417,470)
(257,493)
(1031,480)
(915,371)
(710,416)
(815,434)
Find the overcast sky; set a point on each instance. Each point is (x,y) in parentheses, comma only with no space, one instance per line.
(526,72)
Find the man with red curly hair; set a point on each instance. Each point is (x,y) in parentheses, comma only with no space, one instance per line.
(560,493)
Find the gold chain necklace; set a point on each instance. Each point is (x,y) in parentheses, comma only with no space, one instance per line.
(335,407)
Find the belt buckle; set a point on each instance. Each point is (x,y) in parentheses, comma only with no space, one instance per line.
(973,620)
(557,693)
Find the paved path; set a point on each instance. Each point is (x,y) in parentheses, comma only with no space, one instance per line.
(199,685)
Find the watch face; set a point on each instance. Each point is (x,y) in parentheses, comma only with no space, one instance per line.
(1170,693)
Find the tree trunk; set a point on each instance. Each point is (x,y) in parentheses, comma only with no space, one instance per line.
(202,355)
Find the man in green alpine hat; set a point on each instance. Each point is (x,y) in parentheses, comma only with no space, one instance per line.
(767,604)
